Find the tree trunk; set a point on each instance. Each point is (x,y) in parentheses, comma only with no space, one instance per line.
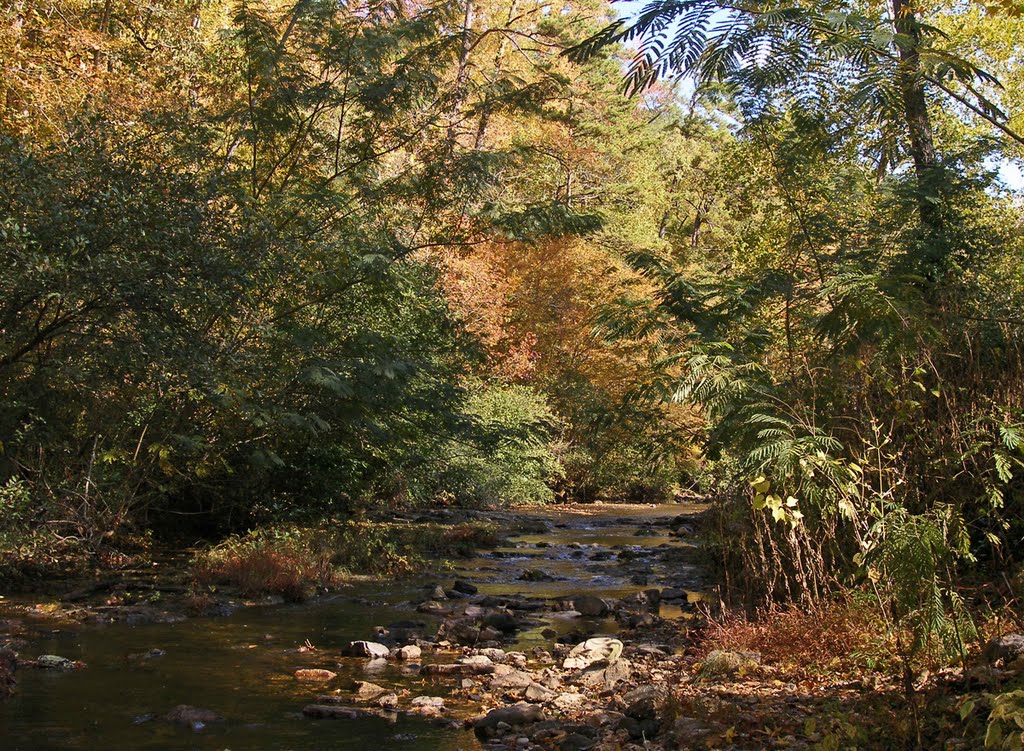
(915,110)
(461,91)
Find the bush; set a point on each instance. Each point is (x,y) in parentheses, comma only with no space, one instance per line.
(290,562)
(511,459)
(294,561)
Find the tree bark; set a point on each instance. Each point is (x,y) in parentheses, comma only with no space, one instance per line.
(461,91)
(915,109)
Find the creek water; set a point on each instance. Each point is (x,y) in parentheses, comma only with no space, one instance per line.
(241,666)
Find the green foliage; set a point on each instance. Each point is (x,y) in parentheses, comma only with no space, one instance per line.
(221,304)
(1006,722)
(910,561)
(16,513)
(513,459)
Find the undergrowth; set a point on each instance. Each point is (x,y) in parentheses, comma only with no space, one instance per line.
(843,637)
(295,561)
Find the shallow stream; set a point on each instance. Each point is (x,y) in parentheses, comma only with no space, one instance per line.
(241,666)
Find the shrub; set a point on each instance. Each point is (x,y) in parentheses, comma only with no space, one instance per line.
(838,635)
(289,562)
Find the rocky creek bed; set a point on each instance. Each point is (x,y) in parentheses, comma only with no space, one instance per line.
(582,630)
(564,636)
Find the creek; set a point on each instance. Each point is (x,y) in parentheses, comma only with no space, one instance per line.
(242,665)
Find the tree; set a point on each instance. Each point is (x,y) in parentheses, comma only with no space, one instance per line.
(877,67)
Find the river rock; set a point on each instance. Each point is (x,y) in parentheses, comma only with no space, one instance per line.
(494,654)
(335,712)
(406,632)
(538,693)
(193,717)
(649,599)
(503,621)
(644,702)
(640,729)
(599,678)
(590,606)
(516,659)
(475,662)
(535,575)
(428,705)
(592,651)
(720,663)
(1009,649)
(437,593)
(464,587)
(370,649)
(672,593)
(567,702)
(515,716)
(689,732)
(366,691)
(376,665)
(409,652)
(515,679)
(459,630)
(315,675)
(54,662)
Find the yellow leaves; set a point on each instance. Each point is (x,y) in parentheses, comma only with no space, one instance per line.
(1012,8)
(782,510)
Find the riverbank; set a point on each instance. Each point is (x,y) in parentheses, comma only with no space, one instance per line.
(269,566)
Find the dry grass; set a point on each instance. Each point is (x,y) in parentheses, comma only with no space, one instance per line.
(838,637)
(294,562)
(284,563)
